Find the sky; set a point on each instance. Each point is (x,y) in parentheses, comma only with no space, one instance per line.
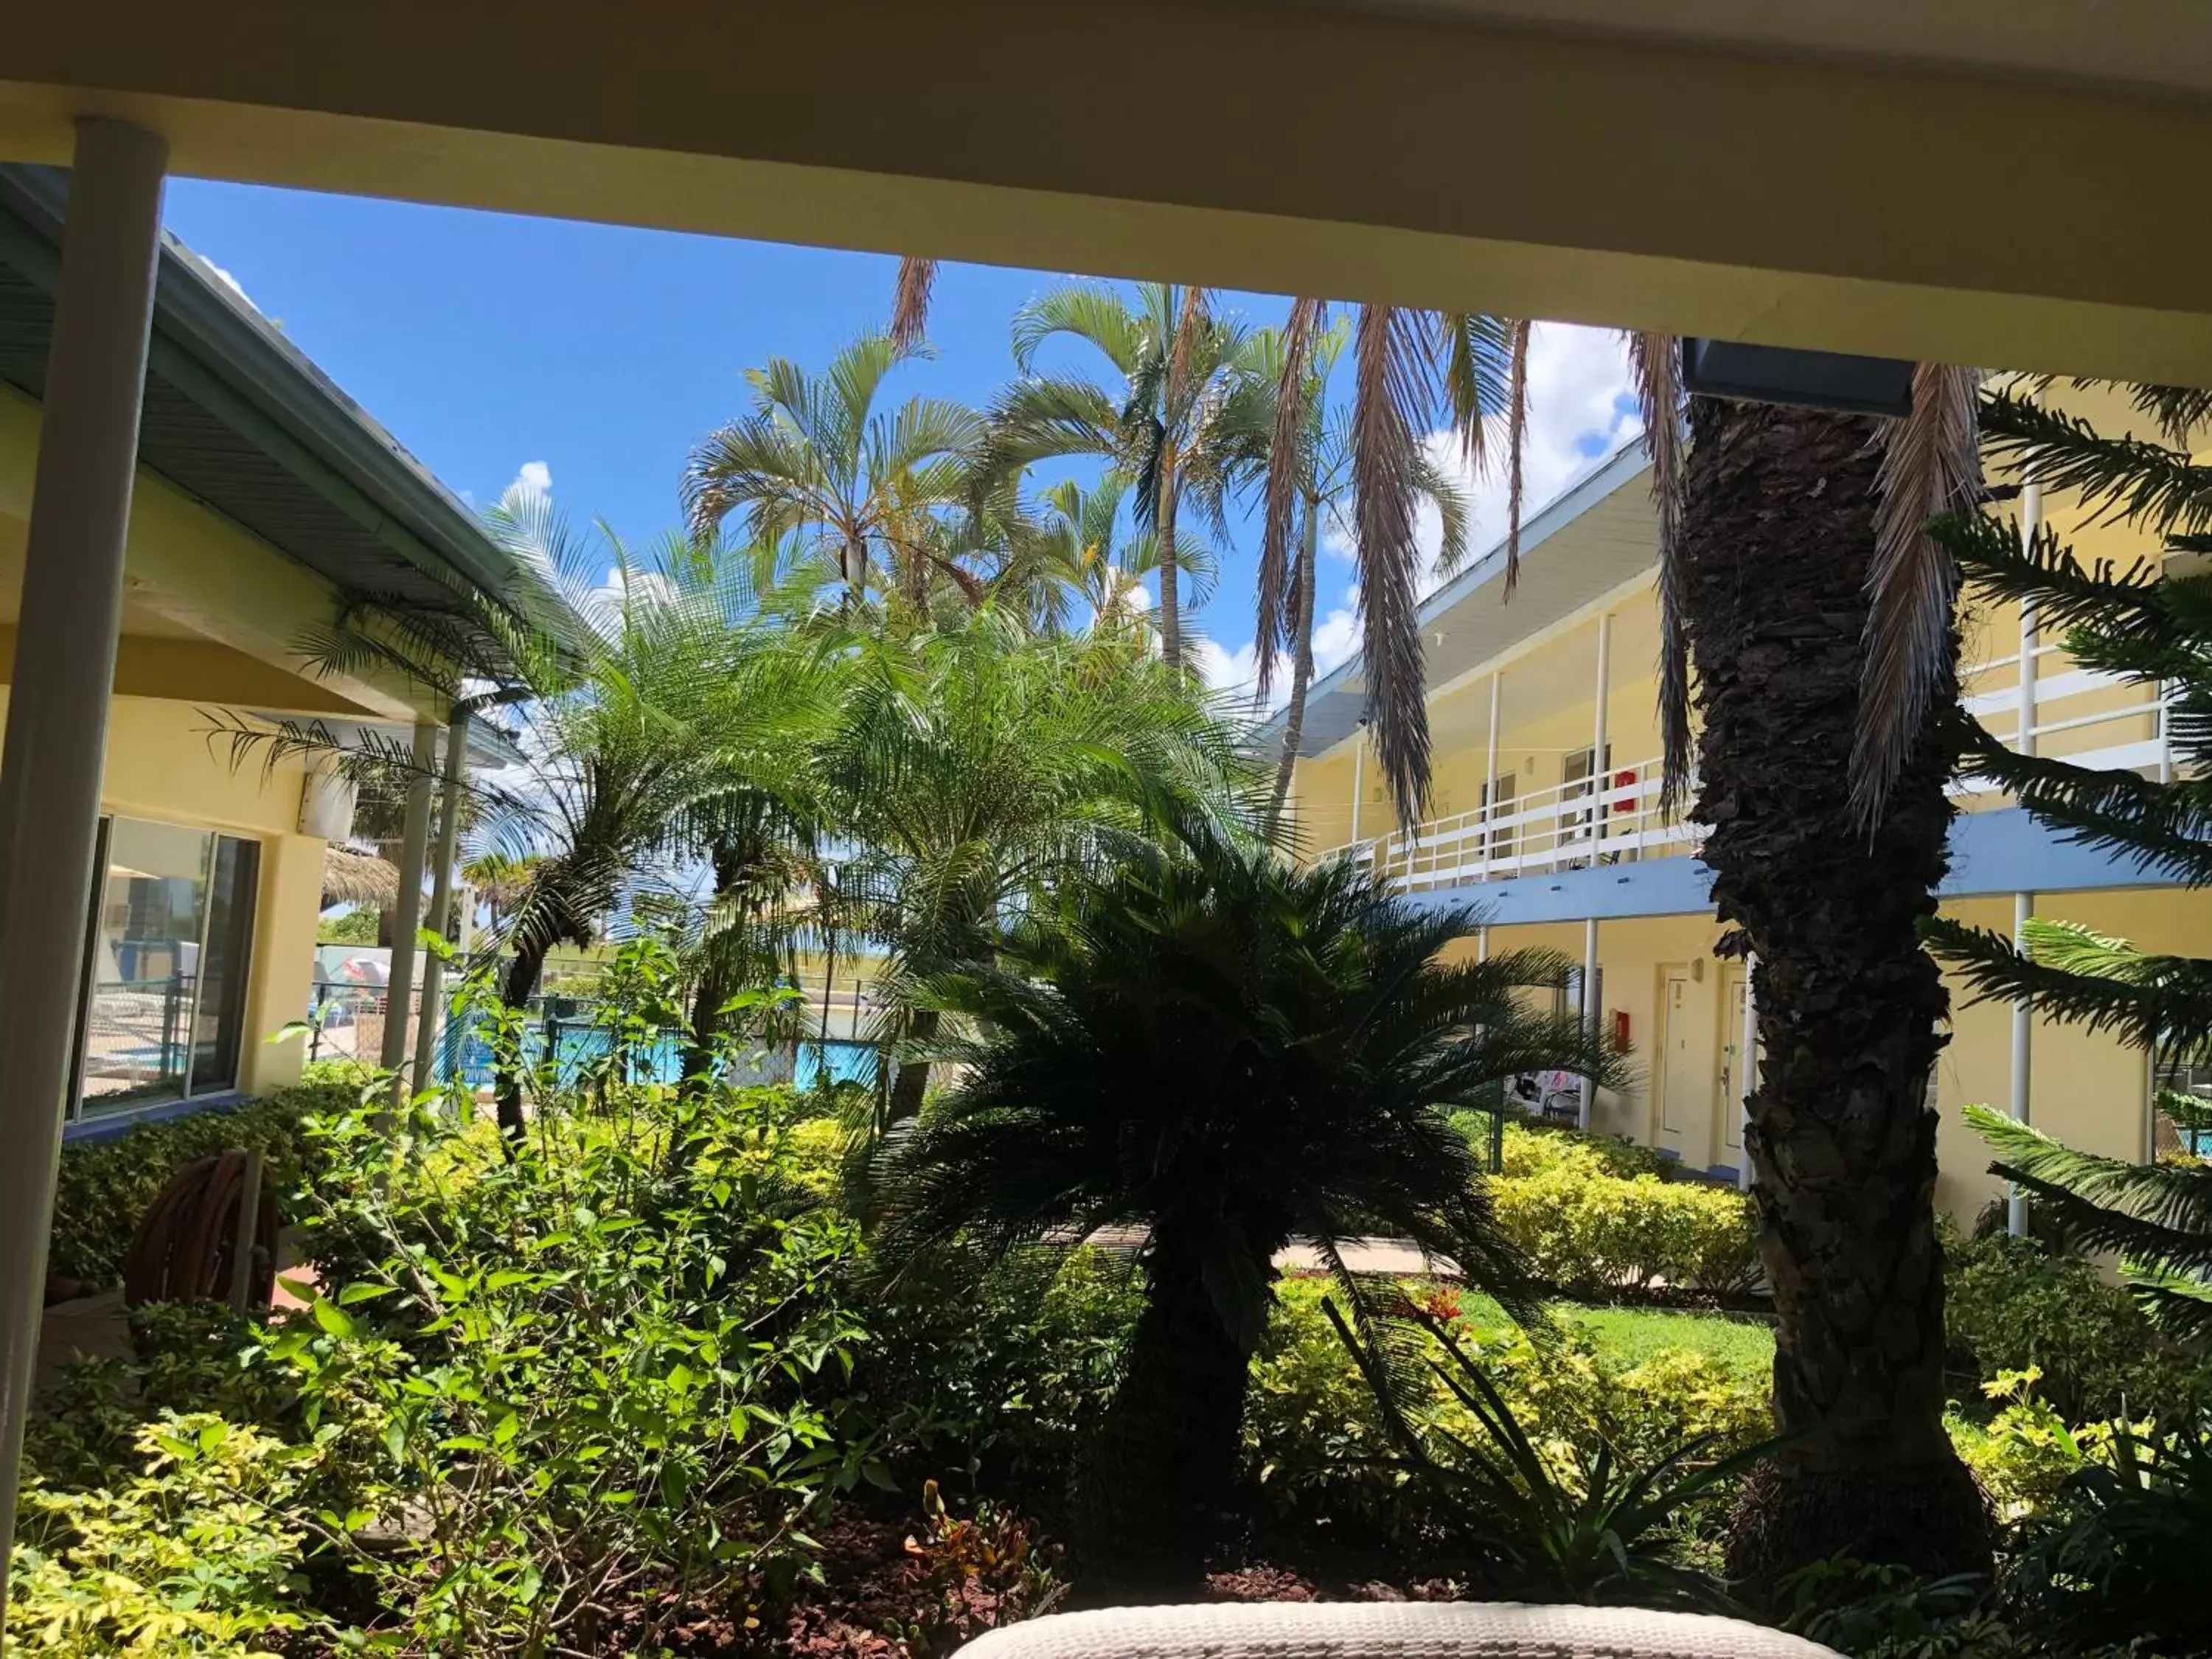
(586,360)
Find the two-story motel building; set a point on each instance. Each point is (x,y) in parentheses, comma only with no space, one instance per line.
(1530,700)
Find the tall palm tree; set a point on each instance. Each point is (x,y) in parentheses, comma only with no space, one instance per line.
(972,771)
(1177,423)
(1318,484)
(1231,1054)
(865,492)
(1778,581)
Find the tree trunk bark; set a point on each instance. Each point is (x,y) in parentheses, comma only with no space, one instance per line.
(912,1082)
(1158,1472)
(1778,537)
(1302,666)
(1170,595)
(521,985)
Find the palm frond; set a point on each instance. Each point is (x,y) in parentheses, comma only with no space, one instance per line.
(1394,389)
(1654,363)
(1930,465)
(1286,466)
(910,304)
(2129,479)
(1517,446)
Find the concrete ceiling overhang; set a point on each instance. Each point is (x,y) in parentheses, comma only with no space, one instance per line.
(2000,182)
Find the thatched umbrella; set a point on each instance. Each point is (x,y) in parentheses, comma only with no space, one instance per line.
(350,877)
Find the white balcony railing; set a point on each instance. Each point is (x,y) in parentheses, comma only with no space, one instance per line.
(1575,825)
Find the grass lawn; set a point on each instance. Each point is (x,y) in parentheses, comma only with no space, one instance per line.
(1628,1336)
(1632,1335)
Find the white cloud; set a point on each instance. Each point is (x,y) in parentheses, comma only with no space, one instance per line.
(227,280)
(531,478)
(1236,671)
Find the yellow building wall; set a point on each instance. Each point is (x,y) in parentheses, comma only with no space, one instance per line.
(162,766)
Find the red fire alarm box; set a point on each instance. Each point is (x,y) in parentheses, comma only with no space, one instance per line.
(1620,1028)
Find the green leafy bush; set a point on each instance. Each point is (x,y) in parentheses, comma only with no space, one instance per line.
(1596,1525)
(2012,1305)
(198,1550)
(607,1355)
(105,1187)
(1534,1145)
(1594,1233)
(1317,1449)
(1000,1373)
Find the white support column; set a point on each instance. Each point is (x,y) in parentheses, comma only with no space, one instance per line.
(441,897)
(1358,775)
(1750,1070)
(1600,774)
(2023,1027)
(1590,1013)
(1489,774)
(1482,942)
(71,609)
(407,915)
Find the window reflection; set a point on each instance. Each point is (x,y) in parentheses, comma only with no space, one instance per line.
(165,984)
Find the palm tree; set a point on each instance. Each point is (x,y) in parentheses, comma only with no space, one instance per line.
(1179,425)
(500,881)
(683,715)
(1231,1054)
(865,493)
(1318,483)
(1785,535)
(972,771)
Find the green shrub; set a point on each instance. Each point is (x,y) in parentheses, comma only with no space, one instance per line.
(1315,1447)
(1593,1233)
(999,1376)
(2012,1305)
(105,1187)
(197,1551)
(1534,1145)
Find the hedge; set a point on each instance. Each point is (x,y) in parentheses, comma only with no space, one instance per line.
(105,1187)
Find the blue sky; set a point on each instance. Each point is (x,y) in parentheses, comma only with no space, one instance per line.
(486,343)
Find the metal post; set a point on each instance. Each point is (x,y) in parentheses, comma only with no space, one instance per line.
(1750,1071)
(1589,1013)
(1482,942)
(1600,774)
(57,735)
(2023,1023)
(407,919)
(432,1026)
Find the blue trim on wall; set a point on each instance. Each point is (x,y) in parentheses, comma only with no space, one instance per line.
(2001,852)
(108,1125)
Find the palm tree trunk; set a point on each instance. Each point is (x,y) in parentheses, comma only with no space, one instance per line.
(1778,534)
(521,985)
(913,1080)
(1302,666)
(1171,595)
(1159,1470)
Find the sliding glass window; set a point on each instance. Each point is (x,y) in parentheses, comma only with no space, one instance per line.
(167,960)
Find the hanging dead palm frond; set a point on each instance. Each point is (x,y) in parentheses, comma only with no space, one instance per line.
(1395,370)
(1655,365)
(1931,464)
(1517,445)
(1284,443)
(910,303)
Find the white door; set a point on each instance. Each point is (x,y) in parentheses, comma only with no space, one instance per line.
(1735,1061)
(1681,1085)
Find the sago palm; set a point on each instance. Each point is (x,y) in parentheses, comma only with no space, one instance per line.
(973,770)
(1179,421)
(1231,1054)
(864,488)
